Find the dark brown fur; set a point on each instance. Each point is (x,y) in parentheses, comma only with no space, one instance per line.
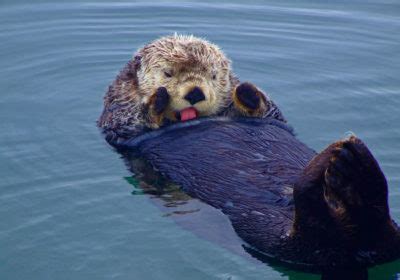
(311,211)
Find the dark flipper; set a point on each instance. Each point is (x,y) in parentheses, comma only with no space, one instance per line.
(341,202)
(356,191)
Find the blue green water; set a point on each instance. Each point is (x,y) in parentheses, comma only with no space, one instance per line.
(66,204)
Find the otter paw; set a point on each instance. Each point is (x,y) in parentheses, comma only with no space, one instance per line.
(249,100)
(353,179)
(160,100)
(155,108)
(248,96)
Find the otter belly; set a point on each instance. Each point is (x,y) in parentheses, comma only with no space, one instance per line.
(248,168)
(245,167)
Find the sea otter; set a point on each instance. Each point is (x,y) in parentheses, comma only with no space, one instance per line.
(178,107)
(178,78)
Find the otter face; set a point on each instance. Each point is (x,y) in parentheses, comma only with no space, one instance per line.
(204,91)
(196,74)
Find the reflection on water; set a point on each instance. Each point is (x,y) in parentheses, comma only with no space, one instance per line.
(147,181)
(67,211)
(357,274)
(171,195)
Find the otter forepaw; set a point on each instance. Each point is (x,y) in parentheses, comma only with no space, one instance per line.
(249,100)
(353,179)
(160,100)
(156,107)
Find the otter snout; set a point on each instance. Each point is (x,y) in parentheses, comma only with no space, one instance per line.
(195,95)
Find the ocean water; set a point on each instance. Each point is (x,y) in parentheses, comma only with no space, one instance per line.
(69,207)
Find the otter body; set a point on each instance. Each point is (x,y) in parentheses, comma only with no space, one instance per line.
(308,210)
(288,203)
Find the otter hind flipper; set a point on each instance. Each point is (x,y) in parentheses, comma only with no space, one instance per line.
(356,193)
(341,205)
(347,179)
(354,183)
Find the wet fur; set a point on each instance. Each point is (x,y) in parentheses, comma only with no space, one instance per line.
(310,211)
(313,211)
(132,104)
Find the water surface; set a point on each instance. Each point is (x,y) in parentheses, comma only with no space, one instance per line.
(66,206)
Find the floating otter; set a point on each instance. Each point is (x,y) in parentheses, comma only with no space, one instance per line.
(310,211)
(177,78)
(313,211)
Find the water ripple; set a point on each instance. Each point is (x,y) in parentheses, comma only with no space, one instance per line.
(66,209)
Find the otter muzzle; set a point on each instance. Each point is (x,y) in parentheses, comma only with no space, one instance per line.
(195,95)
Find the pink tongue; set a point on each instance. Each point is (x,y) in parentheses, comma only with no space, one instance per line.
(188,114)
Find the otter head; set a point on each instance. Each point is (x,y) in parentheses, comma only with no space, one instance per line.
(195,73)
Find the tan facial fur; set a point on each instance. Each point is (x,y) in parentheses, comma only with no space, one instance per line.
(181,63)
(178,78)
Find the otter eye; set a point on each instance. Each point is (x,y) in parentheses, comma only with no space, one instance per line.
(167,74)
(214,76)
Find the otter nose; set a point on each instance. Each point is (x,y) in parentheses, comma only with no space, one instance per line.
(195,95)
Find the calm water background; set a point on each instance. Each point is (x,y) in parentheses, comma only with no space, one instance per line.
(66,207)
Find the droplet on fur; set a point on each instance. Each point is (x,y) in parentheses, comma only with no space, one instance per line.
(349,134)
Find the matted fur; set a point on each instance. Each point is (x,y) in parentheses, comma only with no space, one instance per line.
(178,63)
